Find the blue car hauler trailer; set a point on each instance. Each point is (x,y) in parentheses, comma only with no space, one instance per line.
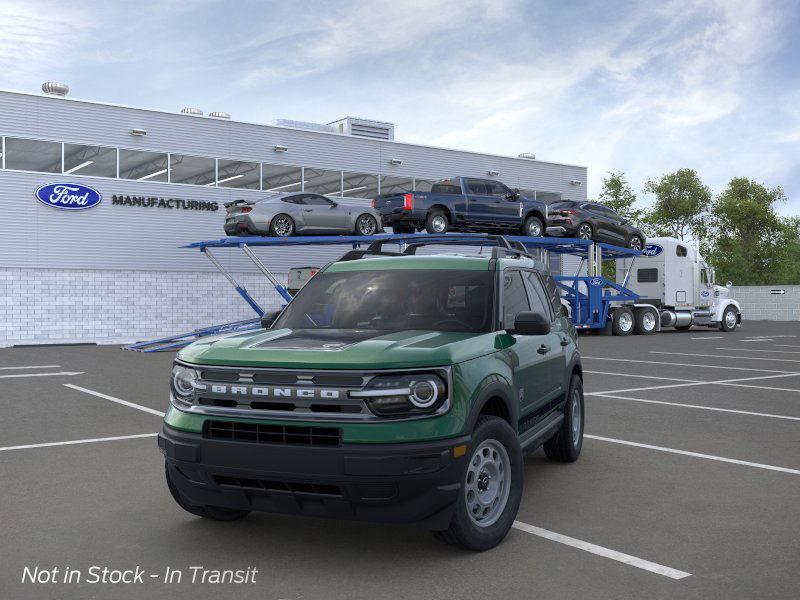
(589,296)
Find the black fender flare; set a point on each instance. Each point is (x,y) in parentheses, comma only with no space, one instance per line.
(491,389)
(535,212)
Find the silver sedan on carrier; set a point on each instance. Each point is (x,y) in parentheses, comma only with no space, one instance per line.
(292,213)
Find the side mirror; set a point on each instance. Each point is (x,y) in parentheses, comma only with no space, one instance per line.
(531,323)
(729,285)
(269,318)
(334,204)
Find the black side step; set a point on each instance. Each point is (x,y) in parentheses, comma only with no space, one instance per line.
(538,435)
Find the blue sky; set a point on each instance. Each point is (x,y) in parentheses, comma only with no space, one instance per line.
(641,87)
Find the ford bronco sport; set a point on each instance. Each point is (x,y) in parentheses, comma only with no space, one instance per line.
(401,389)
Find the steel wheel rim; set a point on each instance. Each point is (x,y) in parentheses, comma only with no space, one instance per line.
(625,321)
(648,321)
(576,418)
(439,223)
(282,226)
(730,318)
(534,229)
(636,243)
(487,485)
(366,225)
(585,232)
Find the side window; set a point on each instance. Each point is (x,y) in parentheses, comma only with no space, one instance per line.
(704,276)
(495,188)
(647,275)
(553,293)
(315,200)
(515,298)
(294,199)
(681,250)
(538,298)
(476,186)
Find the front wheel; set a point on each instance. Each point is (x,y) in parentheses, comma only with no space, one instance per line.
(533,227)
(729,320)
(491,488)
(366,225)
(566,444)
(635,243)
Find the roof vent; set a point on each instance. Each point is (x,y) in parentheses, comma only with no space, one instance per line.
(377,130)
(219,115)
(527,155)
(192,111)
(51,88)
(303,125)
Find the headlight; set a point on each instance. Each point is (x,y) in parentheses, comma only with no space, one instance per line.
(404,394)
(183,383)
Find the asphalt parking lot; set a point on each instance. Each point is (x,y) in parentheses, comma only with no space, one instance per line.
(687,487)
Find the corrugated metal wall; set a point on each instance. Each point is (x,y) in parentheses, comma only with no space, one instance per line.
(124,237)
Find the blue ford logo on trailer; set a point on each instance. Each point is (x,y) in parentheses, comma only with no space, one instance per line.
(68,196)
(596,282)
(652,250)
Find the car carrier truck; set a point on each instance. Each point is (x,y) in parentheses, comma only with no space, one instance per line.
(676,288)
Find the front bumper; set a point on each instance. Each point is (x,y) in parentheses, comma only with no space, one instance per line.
(391,483)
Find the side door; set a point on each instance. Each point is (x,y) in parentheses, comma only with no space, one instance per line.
(600,221)
(479,201)
(555,357)
(616,224)
(705,290)
(528,363)
(323,214)
(505,207)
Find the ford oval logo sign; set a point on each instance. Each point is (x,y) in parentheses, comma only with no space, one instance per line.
(68,196)
(595,282)
(705,294)
(652,250)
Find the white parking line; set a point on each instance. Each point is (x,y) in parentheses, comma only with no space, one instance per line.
(758,350)
(31,367)
(674,364)
(787,346)
(708,337)
(641,376)
(694,454)
(735,382)
(146,409)
(72,442)
(756,340)
(639,563)
(17,375)
(699,406)
(724,356)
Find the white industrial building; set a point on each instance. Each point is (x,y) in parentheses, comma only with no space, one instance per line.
(115,272)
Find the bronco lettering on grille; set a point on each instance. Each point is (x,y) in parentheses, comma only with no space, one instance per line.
(275,392)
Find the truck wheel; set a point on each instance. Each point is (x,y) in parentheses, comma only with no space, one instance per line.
(533,227)
(216,513)
(645,321)
(436,222)
(491,488)
(566,444)
(729,320)
(281,226)
(622,321)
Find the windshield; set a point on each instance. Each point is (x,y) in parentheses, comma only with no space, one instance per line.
(394,300)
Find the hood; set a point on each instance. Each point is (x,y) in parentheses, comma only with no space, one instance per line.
(340,348)
(720,291)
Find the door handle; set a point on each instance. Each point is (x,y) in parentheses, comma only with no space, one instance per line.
(543,349)
(307,210)
(565,341)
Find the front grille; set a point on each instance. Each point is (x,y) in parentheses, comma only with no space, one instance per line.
(291,487)
(263,433)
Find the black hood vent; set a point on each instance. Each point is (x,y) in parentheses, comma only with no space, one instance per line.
(321,339)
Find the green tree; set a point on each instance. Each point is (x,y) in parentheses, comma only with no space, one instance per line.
(618,195)
(750,243)
(681,205)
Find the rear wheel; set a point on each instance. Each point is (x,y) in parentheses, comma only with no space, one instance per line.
(645,323)
(729,319)
(566,444)
(622,322)
(533,227)
(491,488)
(635,243)
(366,225)
(216,513)
(436,222)
(584,231)
(281,226)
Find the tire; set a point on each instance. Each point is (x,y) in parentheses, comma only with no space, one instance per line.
(645,322)
(729,320)
(366,224)
(636,243)
(436,222)
(216,513)
(566,444)
(622,322)
(584,231)
(281,225)
(533,227)
(493,443)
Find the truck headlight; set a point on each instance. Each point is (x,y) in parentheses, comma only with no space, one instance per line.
(183,384)
(404,394)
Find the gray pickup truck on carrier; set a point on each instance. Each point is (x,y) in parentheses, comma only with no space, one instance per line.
(463,204)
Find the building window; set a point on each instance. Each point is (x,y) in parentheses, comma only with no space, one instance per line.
(97,161)
(237,174)
(396,185)
(33,155)
(280,178)
(423,185)
(359,185)
(320,181)
(143,166)
(194,170)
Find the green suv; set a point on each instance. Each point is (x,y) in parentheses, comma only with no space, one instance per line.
(402,389)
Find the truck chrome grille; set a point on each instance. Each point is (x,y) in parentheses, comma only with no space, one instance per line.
(264,433)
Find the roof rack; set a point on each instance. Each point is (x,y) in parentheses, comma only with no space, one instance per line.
(501,247)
